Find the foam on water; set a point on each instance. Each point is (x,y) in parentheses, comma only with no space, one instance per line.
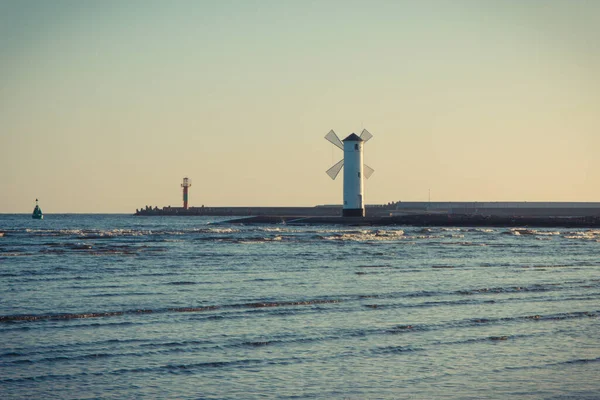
(178,308)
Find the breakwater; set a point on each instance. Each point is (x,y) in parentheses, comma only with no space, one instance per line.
(238,211)
(429,220)
(316,211)
(409,214)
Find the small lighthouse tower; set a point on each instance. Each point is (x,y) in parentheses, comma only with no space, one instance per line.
(185,185)
(354,171)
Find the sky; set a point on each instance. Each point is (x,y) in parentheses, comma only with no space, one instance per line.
(105,106)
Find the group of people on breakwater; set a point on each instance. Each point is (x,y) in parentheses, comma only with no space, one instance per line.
(238,211)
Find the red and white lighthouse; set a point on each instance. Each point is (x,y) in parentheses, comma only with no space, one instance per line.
(185,185)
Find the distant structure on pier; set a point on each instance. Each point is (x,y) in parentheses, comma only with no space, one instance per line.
(543,209)
(354,171)
(187,182)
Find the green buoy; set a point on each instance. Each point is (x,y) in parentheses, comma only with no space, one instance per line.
(37,211)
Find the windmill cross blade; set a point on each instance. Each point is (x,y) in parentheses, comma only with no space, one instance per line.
(368,171)
(335,170)
(333,138)
(365,135)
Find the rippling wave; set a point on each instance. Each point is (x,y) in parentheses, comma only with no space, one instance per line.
(194,308)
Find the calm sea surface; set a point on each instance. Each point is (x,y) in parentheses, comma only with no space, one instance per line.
(117,306)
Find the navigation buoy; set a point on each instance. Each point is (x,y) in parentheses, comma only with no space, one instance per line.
(37,211)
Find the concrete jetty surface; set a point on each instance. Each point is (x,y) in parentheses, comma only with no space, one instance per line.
(476,214)
(427,220)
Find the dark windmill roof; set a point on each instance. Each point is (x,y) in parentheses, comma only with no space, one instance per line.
(353,137)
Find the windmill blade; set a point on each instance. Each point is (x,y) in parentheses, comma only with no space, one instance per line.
(365,135)
(368,171)
(333,138)
(335,170)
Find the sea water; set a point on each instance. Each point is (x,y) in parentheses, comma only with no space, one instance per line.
(117,306)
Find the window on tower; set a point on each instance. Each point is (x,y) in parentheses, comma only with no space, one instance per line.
(356,146)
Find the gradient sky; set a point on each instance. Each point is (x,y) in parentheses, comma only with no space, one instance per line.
(106,105)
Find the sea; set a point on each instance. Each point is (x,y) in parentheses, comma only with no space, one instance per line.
(126,307)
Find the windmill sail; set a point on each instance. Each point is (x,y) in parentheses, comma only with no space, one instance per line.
(365,135)
(335,170)
(368,171)
(333,138)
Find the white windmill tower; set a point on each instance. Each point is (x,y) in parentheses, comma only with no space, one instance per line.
(354,171)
